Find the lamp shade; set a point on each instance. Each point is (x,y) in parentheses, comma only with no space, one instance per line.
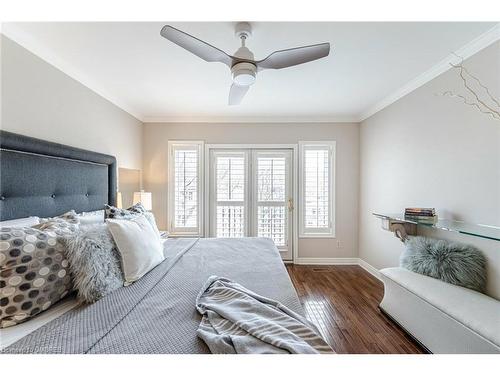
(144,198)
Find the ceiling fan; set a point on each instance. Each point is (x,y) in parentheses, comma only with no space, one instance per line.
(243,66)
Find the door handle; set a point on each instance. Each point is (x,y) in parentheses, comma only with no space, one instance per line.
(290,204)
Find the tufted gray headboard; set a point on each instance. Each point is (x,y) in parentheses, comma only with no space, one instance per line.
(41,178)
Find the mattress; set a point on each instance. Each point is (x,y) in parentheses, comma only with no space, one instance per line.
(157,314)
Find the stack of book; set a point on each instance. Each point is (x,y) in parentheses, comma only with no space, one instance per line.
(422,215)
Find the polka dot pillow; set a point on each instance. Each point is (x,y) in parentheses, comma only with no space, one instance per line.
(34,272)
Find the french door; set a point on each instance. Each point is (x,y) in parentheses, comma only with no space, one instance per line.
(250,195)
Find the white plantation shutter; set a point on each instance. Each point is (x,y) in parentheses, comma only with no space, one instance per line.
(271,178)
(186,188)
(231,178)
(230,195)
(185,159)
(316,188)
(271,198)
(316,193)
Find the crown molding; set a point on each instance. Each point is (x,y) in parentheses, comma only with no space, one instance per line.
(32,45)
(250,119)
(471,48)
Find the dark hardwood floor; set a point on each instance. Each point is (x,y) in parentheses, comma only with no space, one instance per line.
(343,303)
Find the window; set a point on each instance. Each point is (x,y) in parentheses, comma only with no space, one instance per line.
(185,187)
(316,193)
(250,193)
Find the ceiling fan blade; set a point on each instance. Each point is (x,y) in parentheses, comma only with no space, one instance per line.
(196,46)
(294,56)
(236,93)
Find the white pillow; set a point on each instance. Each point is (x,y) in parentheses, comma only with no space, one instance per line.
(92,213)
(92,217)
(139,247)
(18,223)
(152,221)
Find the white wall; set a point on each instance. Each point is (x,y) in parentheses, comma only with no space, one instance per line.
(432,151)
(39,100)
(156,137)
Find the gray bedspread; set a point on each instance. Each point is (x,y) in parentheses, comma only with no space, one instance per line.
(238,321)
(157,314)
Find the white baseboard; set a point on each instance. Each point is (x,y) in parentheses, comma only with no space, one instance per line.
(339,261)
(325,261)
(369,268)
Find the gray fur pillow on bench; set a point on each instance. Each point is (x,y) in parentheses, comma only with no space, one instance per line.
(454,263)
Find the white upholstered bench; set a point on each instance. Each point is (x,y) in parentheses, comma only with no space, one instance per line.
(445,318)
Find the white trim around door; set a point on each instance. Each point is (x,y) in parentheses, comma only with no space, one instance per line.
(248,147)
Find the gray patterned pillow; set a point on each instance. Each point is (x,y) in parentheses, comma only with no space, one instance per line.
(34,272)
(121,213)
(94,262)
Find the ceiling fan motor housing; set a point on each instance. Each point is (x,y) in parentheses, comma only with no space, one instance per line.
(244,73)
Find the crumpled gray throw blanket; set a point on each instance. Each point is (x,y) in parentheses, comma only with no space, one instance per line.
(238,321)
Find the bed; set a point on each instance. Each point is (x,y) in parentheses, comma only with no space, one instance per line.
(155,314)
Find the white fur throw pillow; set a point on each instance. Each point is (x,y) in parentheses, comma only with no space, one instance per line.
(94,262)
(454,263)
(139,246)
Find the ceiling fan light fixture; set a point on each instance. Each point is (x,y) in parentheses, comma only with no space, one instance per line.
(243,64)
(244,74)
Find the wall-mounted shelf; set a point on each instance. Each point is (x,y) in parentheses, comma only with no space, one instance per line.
(393,222)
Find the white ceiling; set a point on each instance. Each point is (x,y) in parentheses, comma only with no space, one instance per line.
(370,65)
